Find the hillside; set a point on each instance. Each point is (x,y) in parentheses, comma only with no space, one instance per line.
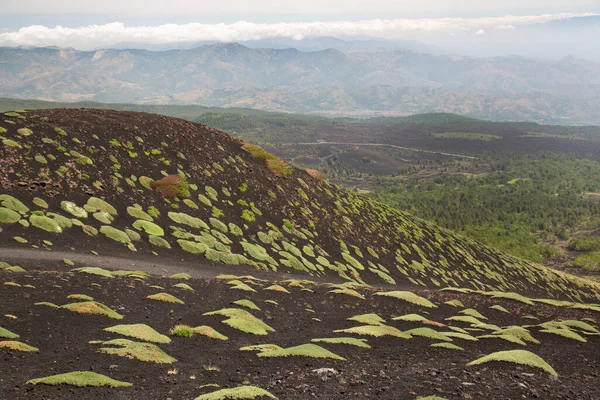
(222,200)
(362,300)
(395,82)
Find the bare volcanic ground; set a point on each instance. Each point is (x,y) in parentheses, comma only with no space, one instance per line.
(393,308)
(386,367)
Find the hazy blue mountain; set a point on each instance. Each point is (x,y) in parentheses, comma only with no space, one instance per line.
(331,81)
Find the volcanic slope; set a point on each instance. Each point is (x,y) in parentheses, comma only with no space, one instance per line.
(109,182)
(119,186)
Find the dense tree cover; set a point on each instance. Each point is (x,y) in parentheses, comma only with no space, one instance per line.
(525,199)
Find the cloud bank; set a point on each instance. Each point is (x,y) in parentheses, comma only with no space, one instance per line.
(94,36)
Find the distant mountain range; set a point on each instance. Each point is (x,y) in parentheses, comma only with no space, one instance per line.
(356,82)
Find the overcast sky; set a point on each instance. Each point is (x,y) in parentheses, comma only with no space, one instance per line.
(86,24)
(154,8)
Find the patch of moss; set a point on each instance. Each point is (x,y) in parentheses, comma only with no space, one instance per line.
(209,332)
(45,223)
(40,202)
(92,307)
(409,297)
(247,303)
(79,379)
(11,143)
(94,271)
(347,292)
(446,345)
(115,234)
(18,346)
(146,352)
(139,331)
(47,304)
(6,334)
(522,357)
(165,297)
(184,219)
(181,275)
(368,319)
(277,288)
(12,203)
(97,204)
(344,340)
(83,297)
(25,132)
(149,227)
(238,393)
(138,213)
(192,247)
(243,321)
(375,330)
(305,350)
(159,242)
(429,334)
(184,287)
(8,216)
(73,209)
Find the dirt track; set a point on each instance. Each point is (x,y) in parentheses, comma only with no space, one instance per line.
(139,262)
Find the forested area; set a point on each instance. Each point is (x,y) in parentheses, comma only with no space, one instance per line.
(524,206)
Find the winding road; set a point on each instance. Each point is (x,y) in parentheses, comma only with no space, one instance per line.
(385,145)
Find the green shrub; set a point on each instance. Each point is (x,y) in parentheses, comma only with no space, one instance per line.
(589,262)
(587,243)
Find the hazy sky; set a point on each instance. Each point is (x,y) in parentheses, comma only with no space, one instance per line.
(86,24)
(187,7)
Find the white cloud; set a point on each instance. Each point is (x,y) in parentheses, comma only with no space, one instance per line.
(480,32)
(92,36)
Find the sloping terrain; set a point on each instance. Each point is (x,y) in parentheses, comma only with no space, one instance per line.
(444,315)
(105,181)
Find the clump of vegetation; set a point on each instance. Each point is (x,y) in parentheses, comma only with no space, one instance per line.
(18,346)
(240,392)
(45,223)
(165,297)
(368,319)
(92,307)
(182,331)
(139,331)
(246,303)
(522,357)
(146,352)
(376,331)
(84,297)
(304,350)
(428,333)
(80,379)
(94,271)
(172,186)
(409,297)
(344,340)
(209,332)
(243,321)
(6,334)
